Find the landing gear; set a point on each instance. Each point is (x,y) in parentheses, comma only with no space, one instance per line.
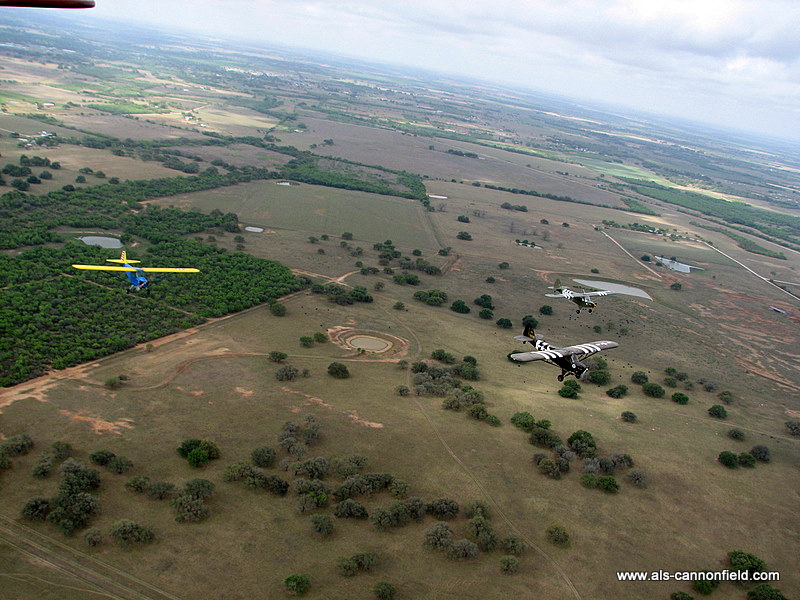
(579,311)
(590,311)
(561,377)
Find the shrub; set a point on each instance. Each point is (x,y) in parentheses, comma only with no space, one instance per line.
(93,537)
(729,459)
(138,483)
(277,357)
(443,508)
(36,509)
(460,306)
(350,509)
(618,391)
(608,484)
(736,434)
(629,417)
(746,460)
(637,478)
(125,532)
(439,537)
(384,590)
(486,314)
(287,373)
(653,390)
(600,376)
(546,309)
(188,508)
(101,457)
(793,427)
(557,535)
(198,488)
(514,545)
(160,490)
(462,549)
(639,377)
(718,412)
(509,564)
(297,584)
(120,465)
(338,370)
(681,596)
(263,456)
(680,398)
(322,524)
(17,445)
(278,309)
(61,450)
(761,453)
(589,480)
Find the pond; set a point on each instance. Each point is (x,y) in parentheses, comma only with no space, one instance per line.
(368,343)
(99,240)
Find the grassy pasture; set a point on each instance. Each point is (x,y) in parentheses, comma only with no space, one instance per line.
(137,128)
(694,507)
(313,210)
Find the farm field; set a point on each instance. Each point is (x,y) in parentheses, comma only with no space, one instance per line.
(359,261)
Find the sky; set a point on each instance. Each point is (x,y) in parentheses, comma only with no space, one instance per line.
(734,63)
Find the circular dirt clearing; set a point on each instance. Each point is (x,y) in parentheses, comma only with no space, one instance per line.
(367,342)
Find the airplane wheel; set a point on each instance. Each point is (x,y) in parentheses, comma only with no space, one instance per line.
(590,311)
(561,378)
(578,311)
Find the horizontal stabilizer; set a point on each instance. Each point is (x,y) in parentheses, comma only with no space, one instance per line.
(122,261)
(524,338)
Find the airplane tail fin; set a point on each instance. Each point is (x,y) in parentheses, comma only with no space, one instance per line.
(123,259)
(528,331)
(557,285)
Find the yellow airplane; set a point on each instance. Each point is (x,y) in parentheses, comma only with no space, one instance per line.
(136,275)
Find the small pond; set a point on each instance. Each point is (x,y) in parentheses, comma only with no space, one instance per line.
(368,343)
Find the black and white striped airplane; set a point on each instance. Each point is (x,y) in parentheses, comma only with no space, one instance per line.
(569,358)
(582,299)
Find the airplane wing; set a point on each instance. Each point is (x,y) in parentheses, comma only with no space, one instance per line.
(562,295)
(132,270)
(590,294)
(530,356)
(583,350)
(586,349)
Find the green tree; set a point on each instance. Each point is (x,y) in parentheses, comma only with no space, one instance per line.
(306,341)
(338,370)
(653,390)
(546,310)
(608,484)
(125,532)
(297,584)
(486,314)
(460,306)
(629,417)
(504,323)
(618,391)
(729,459)
(680,398)
(718,412)
(276,356)
(761,453)
(278,309)
(639,377)
(384,590)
